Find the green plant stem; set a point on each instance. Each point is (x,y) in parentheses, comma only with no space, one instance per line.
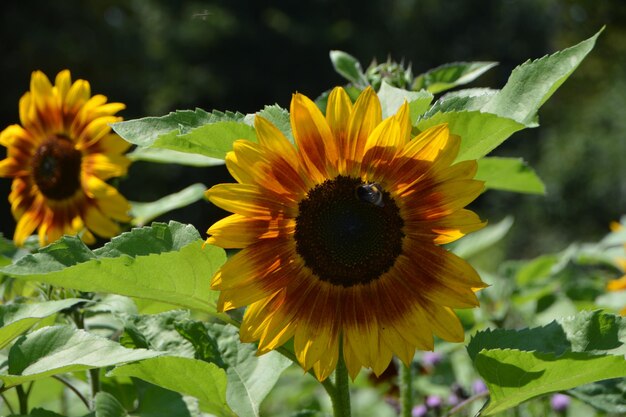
(73,389)
(7,403)
(406,390)
(341,397)
(22,398)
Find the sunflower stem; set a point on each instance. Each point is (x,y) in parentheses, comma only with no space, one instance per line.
(341,399)
(406,390)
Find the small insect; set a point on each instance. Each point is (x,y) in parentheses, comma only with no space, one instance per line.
(370,193)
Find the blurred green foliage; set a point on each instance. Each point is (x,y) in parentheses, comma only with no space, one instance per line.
(157,56)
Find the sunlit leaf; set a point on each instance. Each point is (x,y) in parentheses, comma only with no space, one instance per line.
(533,82)
(348,67)
(509,174)
(214,140)
(480,132)
(59,349)
(15,319)
(163,263)
(519,365)
(144,212)
(145,131)
(514,376)
(391,98)
(159,332)
(202,380)
(451,75)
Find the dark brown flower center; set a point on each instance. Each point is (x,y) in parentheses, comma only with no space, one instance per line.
(348,232)
(56,168)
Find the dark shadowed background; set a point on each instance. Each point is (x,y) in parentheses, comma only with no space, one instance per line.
(157,56)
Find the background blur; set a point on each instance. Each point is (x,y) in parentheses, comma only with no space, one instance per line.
(157,56)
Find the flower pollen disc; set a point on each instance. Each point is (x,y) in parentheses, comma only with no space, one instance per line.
(343,239)
(56,168)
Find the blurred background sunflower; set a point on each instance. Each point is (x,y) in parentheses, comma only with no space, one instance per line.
(157,56)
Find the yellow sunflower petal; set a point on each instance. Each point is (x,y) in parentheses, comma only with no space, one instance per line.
(249,200)
(237,231)
(314,138)
(617,284)
(99,223)
(63,82)
(366,115)
(338,110)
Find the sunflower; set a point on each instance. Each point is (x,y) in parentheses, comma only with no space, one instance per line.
(60,157)
(340,236)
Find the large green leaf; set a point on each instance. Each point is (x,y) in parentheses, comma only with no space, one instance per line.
(144,212)
(15,319)
(250,377)
(202,380)
(158,332)
(533,82)
(519,365)
(451,75)
(214,140)
(514,376)
(391,98)
(60,349)
(509,174)
(165,263)
(145,131)
(480,132)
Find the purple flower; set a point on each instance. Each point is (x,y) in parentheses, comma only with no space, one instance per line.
(559,402)
(454,399)
(431,359)
(419,411)
(433,401)
(478,386)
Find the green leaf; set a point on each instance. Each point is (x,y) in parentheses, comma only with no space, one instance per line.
(279,118)
(451,75)
(519,365)
(144,212)
(533,82)
(202,380)
(513,376)
(15,319)
(471,99)
(159,332)
(167,156)
(60,349)
(348,67)
(609,395)
(480,132)
(165,263)
(214,140)
(144,132)
(509,174)
(391,98)
(107,405)
(250,377)
(483,239)
(205,347)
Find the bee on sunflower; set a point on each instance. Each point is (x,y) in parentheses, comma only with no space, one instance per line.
(340,236)
(60,157)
